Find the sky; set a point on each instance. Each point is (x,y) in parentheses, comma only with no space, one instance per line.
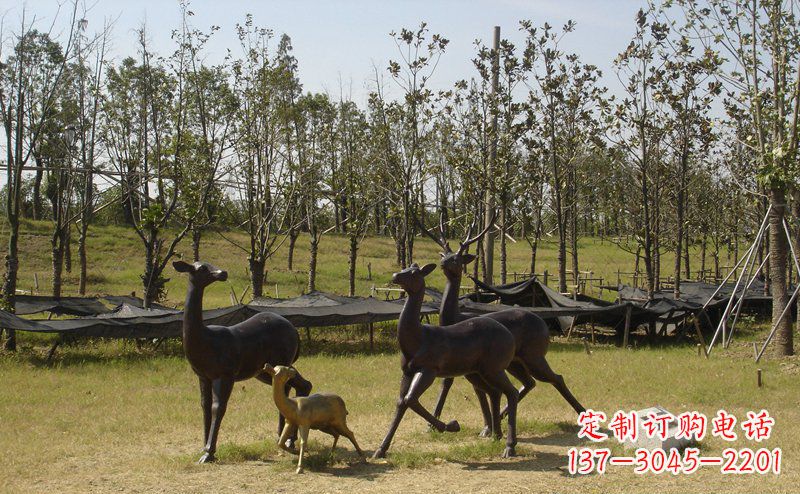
(337,43)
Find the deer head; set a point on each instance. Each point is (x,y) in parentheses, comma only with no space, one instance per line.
(201,274)
(412,279)
(280,373)
(453,263)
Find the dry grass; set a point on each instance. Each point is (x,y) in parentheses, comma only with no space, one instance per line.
(108,417)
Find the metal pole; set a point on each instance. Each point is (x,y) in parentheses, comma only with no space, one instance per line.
(740,302)
(488,239)
(750,252)
(778,322)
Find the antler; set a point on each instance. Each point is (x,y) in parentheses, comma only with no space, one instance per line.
(471,240)
(441,241)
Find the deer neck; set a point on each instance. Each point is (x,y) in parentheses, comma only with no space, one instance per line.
(448,310)
(193,314)
(287,407)
(409,329)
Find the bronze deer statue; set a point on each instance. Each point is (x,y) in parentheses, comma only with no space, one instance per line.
(479,349)
(222,355)
(531,335)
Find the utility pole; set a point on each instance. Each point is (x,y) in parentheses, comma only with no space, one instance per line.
(488,239)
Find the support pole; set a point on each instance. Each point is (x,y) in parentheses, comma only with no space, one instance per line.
(740,302)
(723,320)
(627,325)
(488,239)
(786,310)
(371,336)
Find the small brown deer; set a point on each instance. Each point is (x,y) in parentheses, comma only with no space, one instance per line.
(222,355)
(531,335)
(324,412)
(479,349)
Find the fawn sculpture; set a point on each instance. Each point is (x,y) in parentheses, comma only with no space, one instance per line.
(324,412)
(479,349)
(531,335)
(222,355)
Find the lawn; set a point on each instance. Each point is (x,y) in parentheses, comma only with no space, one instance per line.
(109,416)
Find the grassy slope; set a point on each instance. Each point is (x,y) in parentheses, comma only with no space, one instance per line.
(116,262)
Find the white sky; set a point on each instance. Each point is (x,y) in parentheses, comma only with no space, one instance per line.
(341,40)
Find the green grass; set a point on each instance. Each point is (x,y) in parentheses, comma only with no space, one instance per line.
(116,260)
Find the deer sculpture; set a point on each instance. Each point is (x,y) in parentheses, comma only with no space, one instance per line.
(479,349)
(222,355)
(531,335)
(324,412)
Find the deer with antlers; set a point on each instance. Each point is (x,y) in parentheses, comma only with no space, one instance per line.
(531,335)
(479,349)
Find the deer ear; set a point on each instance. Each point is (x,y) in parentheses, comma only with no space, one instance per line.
(182,266)
(269,369)
(468,258)
(427,269)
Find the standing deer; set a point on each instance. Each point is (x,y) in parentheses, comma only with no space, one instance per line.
(222,355)
(479,349)
(324,412)
(531,335)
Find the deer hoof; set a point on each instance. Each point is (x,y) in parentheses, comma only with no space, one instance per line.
(300,470)
(379,453)
(509,452)
(486,432)
(206,458)
(452,426)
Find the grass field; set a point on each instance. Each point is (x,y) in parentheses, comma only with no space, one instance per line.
(116,262)
(110,417)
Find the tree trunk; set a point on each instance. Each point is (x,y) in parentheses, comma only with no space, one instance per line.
(57,263)
(777,269)
(293,234)
(197,233)
(312,262)
(257,277)
(352,264)
(82,258)
(10,278)
(67,247)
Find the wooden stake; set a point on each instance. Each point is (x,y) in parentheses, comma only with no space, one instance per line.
(371,336)
(759,378)
(755,350)
(586,347)
(627,326)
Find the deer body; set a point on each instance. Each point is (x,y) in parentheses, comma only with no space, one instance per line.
(479,349)
(530,332)
(221,355)
(325,412)
(531,341)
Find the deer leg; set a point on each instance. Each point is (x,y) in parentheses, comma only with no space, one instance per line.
(205,404)
(499,380)
(303,443)
(422,381)
(267,379)
(405,383)
(541,370)
(289,430)
(480,387)
(494,400)
(221,389)
(302,387)
(346,432)
(447,382)
(519,371)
